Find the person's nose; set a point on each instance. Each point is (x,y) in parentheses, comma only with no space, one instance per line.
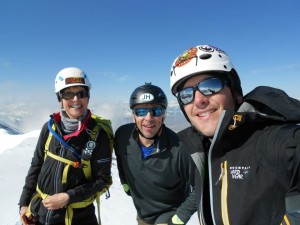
(75,98)
(200,99)
(148,116)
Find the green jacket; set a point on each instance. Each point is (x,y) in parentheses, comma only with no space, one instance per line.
(162,181)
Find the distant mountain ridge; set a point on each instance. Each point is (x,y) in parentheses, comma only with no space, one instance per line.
(9,129)
(20,118)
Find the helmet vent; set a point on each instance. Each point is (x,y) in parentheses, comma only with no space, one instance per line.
(220,56)
(205,56)
(225,66)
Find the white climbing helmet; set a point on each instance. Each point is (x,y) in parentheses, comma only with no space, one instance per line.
(199,59)
(71,76)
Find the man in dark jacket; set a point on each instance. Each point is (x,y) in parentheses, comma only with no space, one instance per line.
(247,149)
(154,167)
(72,160)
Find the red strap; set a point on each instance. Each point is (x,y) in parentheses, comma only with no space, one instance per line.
(83,126)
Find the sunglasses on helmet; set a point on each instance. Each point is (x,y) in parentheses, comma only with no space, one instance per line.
(207,87)
(142,112)
(71,95)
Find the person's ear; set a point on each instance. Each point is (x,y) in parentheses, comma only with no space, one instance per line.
(239,99)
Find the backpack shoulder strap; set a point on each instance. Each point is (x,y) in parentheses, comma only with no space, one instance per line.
(105,124)
(47,143)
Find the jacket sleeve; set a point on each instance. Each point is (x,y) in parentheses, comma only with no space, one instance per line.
(188,207)
(34,170)
(188,169)
(101,171)
(296,162)
(119,154)
(283,151)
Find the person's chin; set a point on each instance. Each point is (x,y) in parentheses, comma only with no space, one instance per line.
(75,115)
(207,132)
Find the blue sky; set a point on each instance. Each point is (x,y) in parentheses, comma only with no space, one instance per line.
(121,44)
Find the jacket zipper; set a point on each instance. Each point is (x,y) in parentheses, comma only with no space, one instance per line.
(49,212)
(223,173)
(224,193)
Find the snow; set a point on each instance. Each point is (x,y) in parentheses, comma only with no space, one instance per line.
(16,152)
(11,141)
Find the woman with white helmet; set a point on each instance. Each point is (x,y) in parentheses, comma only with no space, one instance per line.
(71,162)
(246,148)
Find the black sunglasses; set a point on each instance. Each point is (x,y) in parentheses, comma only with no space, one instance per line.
(142,112)
(207,87)
(71,95)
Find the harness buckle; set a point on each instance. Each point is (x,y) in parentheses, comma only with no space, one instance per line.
(76,165)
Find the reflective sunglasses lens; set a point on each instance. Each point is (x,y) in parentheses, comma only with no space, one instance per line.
(141,112)
(210,86)
(156,111)
(207,87)
(186,95)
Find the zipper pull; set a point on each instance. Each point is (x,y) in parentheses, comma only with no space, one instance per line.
(221,175)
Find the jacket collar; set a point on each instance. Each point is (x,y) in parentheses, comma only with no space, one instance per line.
(272,103)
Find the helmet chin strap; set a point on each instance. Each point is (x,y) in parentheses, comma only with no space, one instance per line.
(58,96)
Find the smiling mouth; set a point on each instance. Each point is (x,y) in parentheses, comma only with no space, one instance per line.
(148,126)
(75,106)
(204,114)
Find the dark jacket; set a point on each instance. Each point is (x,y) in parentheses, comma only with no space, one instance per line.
(47,173)
(251,164)
(161,182)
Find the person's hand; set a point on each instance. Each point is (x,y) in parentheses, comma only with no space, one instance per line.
(175,220)
(24,219)
(23,210)
(57,201)
(126,189)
